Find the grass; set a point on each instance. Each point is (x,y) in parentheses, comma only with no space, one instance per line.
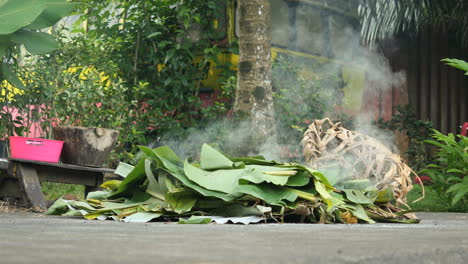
(433,202)
(53,191)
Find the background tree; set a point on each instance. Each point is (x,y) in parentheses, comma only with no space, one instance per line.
(254,98)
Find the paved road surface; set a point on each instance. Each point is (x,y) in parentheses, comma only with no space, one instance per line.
(34,238)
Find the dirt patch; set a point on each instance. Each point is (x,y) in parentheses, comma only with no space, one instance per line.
(5,207)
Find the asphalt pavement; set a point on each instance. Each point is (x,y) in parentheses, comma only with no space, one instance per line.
(35,238)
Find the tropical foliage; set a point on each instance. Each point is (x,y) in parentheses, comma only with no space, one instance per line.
(450,168)
(19,25)
(136,66)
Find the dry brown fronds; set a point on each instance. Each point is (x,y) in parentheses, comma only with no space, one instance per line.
(328,144)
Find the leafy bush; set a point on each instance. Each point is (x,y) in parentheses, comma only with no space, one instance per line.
(450,168)
(418,131)
(134,68)
(433,201)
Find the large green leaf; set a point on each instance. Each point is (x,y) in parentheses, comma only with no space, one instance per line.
(155,188)
(163,151)
(164,156)
(53,12)
(195,220)
(253,160)
(316,174)
(113,206)
(222,220)
(59,207)
(82,205)
(123,169)
(236,210)
(459,64)
(300,179)
(131,182)
(203,191)
(181,201)
(257,174)
(332,202)
(37,43)
(4,41)
(99,195)
(8,74)
(168,161)
(168,154)
(141,217)
(211,159)
(15,14)
(360,196)
(269,193)
(220,180)
(179,174)
(111,184)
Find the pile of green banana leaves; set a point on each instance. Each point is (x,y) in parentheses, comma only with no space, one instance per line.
(221,189)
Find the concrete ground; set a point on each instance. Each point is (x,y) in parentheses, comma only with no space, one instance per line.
(35,238)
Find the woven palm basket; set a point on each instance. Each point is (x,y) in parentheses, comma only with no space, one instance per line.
(359,156)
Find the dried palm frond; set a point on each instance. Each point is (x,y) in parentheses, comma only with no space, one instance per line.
(327,144)
(381,18)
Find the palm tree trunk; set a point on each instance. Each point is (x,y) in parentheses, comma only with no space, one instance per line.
(254,98)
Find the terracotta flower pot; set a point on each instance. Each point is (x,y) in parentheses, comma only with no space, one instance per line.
(86,146)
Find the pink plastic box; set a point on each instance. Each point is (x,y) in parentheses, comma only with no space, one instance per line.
(35,149)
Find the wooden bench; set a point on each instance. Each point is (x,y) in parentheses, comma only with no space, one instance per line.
(20,179)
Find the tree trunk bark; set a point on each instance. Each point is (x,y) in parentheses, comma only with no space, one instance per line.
(254,98)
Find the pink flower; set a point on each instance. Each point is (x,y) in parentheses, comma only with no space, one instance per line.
(422,179)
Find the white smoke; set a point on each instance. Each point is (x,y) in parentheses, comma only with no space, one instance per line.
(347,52)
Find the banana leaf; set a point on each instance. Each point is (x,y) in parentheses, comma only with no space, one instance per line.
(181,201)
(219,180)
(211,159)
(180,175)
(332,202)
(258,174)
(361,196)
(271,194)
(141,217)
(228,190)
(298,180)
(136,177)
(236,210)
(195,220)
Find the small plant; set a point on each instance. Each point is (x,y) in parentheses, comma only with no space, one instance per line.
(449,170)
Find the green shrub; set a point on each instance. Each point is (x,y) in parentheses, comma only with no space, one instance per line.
(450,167)
(417,131)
